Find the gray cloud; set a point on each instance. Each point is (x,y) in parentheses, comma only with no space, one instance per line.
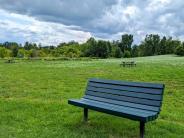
(67,12)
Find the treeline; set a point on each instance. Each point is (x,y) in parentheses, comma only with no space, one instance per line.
(153,44)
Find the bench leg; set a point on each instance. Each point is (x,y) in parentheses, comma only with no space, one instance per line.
(142,129)
(85,114)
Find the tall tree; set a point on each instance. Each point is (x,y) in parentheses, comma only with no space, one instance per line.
(126,42)
(102,49)
(180,50)
(91,47)
(29,46)
(150,45)
(163,43)
(135,51)
(14,51)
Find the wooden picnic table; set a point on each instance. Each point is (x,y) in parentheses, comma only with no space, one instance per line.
(128,64)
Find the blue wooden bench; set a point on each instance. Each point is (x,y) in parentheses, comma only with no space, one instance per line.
(133,100)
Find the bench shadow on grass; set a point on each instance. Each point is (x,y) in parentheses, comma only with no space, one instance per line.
(104,125)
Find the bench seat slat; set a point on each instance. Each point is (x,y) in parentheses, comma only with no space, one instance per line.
(126,88)
(114,110)
(124,98)
(127,83)
(125,93)
(128,104)
(119,107)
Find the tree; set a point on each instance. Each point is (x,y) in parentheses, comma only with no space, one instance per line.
(55,52)
(90,47)
(180,50)
(13,46)
(175,44)
(114,48)
(150,45)
(15,51)
(93,48)
(153,44)
(118,53)
(21,53)
(26,46)
(41,53)
(102,49)
(61,45)
(135,51)
(126,54)
(4,52)
(109,45)
(34,53)
(29,46)
(1,45)
(126,42)
(169,46)
(71,51)
(163,44)
(9,45)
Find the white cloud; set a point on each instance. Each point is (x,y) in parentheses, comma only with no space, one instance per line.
(22,27)
(155,5)
(163,17)
(118,15)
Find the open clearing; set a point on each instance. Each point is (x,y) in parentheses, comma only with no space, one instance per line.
(34,94)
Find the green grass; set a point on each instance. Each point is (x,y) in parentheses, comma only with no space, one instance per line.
(34,94)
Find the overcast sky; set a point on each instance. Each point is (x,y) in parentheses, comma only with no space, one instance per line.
(53,21)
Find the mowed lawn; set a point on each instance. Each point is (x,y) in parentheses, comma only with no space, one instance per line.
(34,94)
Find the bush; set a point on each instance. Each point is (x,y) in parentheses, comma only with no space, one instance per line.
(4,52)
(70,51)
(126,54)
(21,53)
(180,51)
(41,53)
(34,53)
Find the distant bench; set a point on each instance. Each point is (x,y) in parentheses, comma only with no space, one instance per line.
(128,64)
(10,61)
(133,100)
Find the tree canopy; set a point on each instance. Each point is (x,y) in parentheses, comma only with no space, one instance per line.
(153,44)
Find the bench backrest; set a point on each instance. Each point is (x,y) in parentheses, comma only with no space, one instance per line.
(146,96)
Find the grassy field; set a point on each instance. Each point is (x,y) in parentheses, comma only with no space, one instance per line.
(34,94)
